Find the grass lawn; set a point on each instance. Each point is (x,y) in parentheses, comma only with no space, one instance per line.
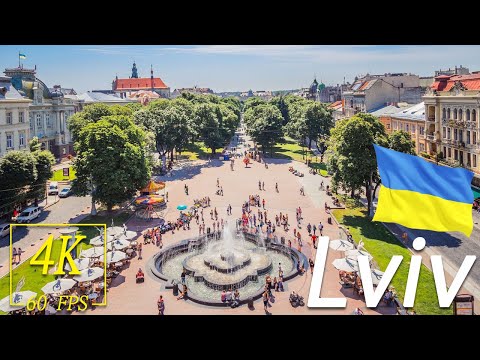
(197,151)
(34,280)
(383,245)
(58,175)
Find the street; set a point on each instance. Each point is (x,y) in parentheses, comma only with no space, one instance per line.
(61,212)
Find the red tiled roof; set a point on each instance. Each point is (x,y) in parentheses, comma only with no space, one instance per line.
(364,85)
(139,83)
(335,104)
(471,82)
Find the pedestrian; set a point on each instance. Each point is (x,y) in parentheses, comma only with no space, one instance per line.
(259,185)
(265,300)
(166,196)
(161,305)
(14,256)
(139,247)
(312,264)
(320,228)
(289,243)
(280,270)
(263,185)
(221,190)
(218,182)
(314,228)
(309,228)
(263,203)
(314,239)
(211,214)
(276,187)
(182,276)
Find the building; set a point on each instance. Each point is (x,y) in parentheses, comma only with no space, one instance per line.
(14,127)
(64,91)
(452,108)
(194,90)
(384,114)
(48,111)
(374,91)
(411,120)
(330,94)
(455,71)
(91,97)
(125,87)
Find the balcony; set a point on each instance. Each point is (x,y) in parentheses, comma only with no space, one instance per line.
(430,137)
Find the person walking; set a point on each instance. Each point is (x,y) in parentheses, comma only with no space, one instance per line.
(314,228)
(265,300)
(314,241)
(320,228)
(14,256)
(263,185)
(312,264)
(218,182)
(276,187)
(259,185)
(309,228)
(263,203)
(166,196)
(161,305)
(139,247)
(182,276)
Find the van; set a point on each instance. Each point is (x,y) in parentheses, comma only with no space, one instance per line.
(53,188)
(5,230)
(29,214)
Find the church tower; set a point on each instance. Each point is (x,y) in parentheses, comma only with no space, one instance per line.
(151,77)
(134,71)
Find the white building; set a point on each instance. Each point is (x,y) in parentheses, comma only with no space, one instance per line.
(14,126)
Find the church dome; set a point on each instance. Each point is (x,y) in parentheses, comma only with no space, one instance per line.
(321,86)
(314,86)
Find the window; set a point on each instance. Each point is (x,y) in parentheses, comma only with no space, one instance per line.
(449,133)
(413,129)
(468,114)
(48,121)
(422,130)
(469,162)
(455,134)
(444,113)
(444,132)
(32,123)
(21,118)
(9,118)
(9,141)
(460,114)
(474,160)
(444,151)
(21,138)
(449,152)
(448,114)
(460,135)
(468,137)
(455,114)
(39,121)
(474,115)
(456,154)
(406,127)
(474,140)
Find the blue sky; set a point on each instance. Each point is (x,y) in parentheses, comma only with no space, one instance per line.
(232,67)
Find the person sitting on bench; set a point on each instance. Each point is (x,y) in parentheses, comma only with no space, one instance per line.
(140,277)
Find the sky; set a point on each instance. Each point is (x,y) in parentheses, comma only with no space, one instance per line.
(232,67)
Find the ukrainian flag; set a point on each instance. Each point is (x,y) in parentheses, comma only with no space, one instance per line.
(22,56)
(421,195)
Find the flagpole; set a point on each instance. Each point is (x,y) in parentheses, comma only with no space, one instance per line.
(19,59)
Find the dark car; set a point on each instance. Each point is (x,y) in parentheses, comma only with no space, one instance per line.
(66,192)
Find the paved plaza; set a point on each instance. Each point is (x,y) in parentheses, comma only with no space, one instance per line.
(125,296)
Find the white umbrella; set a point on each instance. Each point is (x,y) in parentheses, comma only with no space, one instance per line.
(97,241)
(89,274)
(80,263)
(128,235)
(341,245)
(376,276)
(118,244)
(92,252)
(355,253)
(115,230)
(346,264)
(59,285)
(114,256)
(20,300)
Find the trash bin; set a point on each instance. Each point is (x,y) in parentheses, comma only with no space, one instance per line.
(250,302)
(330,220)
(175,289)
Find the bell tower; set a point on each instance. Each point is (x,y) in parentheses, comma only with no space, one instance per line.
(134,71)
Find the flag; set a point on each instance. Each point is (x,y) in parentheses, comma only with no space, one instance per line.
(22,56)
(421,195)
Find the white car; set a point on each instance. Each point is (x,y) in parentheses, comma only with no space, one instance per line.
(5,230)
(53,188)
(29,214)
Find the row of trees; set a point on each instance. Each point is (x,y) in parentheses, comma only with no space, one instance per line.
(352,158)
(289,115)
(24,176)
(115,144)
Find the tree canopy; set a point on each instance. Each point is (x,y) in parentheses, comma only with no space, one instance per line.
(401,141)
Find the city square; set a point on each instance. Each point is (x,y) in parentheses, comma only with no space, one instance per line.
(216,202)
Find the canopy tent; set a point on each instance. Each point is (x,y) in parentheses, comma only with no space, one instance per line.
(150,200)
(153,186)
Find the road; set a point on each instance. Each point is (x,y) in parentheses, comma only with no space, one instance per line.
(62,212)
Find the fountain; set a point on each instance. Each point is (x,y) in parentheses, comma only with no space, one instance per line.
(225,261)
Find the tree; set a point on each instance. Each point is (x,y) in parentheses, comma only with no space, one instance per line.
(253,102)
(279,102)
(111,160)
(353,160)
(90,114)
(34,144)
(18,172)
(44,160)
(401,141)
(206,116)
(264,125)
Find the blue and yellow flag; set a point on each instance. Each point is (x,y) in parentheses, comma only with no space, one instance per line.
(22,56)
(421,195)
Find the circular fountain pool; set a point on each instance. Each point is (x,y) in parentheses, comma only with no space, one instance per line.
(225,261)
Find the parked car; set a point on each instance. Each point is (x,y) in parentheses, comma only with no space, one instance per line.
(66,192)
(53,188)
(5,230)
(29,214)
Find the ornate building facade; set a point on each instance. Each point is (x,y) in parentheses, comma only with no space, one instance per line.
(48,111)
(14,110)
(125,87)
(452,107)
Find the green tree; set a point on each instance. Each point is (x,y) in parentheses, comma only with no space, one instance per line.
(18,173)
(252,102)
(401,141)
(44,160)
(111,162)
(206,115)
(34,144)
(352,159)
(90,114)
(264,125)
